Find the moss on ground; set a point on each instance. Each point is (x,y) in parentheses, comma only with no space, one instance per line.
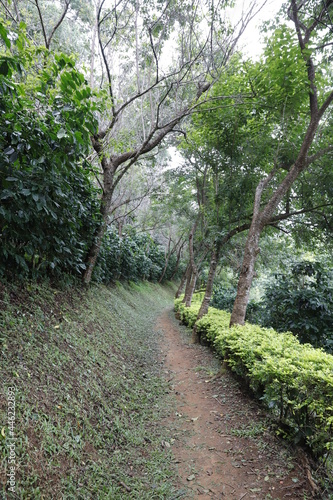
(89,392)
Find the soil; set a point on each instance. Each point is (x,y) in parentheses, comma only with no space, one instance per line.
(220,437)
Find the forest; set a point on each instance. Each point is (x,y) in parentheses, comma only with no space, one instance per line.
(142,142)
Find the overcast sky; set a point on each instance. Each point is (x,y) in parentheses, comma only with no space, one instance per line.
(250,39)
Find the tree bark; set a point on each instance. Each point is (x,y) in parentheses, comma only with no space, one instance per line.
(251,252)
(208,292)
(210,282)
(191,288)
(93,253)
(178,261)
(188,283)
(105,205)
(167,257)
(93,45)
(182,282)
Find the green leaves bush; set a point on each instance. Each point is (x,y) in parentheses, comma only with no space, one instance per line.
(294,380)
(133,257)
(301,300)
(48,203)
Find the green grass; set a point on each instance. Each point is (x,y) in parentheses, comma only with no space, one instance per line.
(90,394)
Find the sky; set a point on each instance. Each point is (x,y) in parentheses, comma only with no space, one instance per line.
(251,38)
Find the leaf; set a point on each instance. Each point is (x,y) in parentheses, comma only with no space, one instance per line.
(3,34)
(3,434)
(61,133)
(9,150)
(191,477)
(4,68)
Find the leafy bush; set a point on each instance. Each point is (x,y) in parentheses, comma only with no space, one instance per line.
(294,380)
(48,205)
(224,298)
(133,257)
(301,301)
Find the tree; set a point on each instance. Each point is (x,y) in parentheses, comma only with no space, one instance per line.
(147,97)
(310,20)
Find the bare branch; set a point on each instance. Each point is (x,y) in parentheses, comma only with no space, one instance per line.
(42,23)
(47,40)
(67,2)
(318,155)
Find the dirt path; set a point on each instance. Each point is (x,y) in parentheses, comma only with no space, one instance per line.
(219,436)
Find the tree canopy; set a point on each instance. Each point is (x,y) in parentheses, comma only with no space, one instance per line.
(94,99)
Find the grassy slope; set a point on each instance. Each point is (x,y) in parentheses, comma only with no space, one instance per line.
(89,394)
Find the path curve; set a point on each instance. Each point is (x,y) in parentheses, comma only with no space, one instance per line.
(218,434)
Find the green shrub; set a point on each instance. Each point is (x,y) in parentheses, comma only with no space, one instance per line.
(48,202)
(294,380)
(133,257)
(301,300)
(224,299)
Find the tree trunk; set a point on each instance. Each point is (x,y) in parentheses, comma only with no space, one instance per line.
(191,288)
(191,282)
(167,257)
(246,275)
(95,247)
(210,282)
(178,261)
(208,293)
(188,282)
(182,282)
(93,253)
(93,45)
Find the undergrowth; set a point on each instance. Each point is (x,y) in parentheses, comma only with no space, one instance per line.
(89,392)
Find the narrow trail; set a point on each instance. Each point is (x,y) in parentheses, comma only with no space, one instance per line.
(218,434)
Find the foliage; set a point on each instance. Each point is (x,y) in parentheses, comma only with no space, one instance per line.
(294,380)
(48,208)
(224,298)
(297,298)
(133,257)
(301,300)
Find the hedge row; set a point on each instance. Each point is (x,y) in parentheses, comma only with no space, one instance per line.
(294,380)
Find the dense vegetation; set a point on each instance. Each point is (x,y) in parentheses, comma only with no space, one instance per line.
(49,203)
(293,380)
(299,300)
(139,144)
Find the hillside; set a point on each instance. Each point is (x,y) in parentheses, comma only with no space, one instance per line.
(113,401)
(89,394)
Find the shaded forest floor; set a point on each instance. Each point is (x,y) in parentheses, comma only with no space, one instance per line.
(112,401)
